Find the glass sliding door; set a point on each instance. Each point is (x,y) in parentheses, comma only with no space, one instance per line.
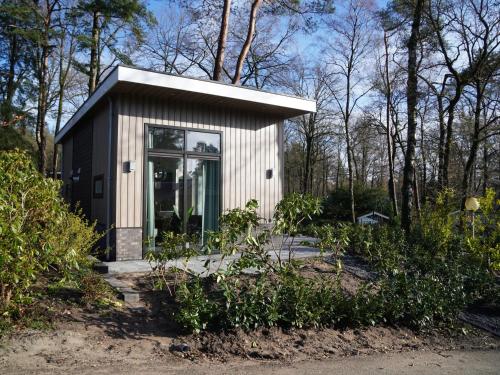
(182,182)
(164,197)
(203,186)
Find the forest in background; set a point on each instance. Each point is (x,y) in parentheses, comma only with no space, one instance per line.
(407,91)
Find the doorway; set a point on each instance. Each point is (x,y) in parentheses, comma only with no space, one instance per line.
(182,182)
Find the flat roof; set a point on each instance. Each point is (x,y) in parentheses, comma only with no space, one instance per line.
(124,79)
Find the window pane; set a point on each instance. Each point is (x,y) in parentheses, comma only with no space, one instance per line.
(202,189)
(167,139)
(164,203)
(203,142)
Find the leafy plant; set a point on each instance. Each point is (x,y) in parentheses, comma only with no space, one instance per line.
(174,246)
(424,278)
(196,309)
(38,232)
(96,291)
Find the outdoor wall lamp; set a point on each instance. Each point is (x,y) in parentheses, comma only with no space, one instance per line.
(129,166)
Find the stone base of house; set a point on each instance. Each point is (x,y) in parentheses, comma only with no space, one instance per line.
(128,243)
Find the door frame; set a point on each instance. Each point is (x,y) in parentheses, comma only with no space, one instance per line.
(184,154)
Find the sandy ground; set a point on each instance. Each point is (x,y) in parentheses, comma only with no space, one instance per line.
(421,363)
(131,342)
(139,340)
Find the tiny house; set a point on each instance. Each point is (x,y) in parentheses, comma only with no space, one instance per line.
(150,152)
(372,218)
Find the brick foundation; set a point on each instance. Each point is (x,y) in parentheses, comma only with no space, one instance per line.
(128,243)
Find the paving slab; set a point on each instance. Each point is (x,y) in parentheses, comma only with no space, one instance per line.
(301,247)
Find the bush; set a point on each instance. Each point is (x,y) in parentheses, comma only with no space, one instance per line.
(96,291)
(173,246)
(425,277)
(278,294)
(38,232)
(196,310)
(436,270)
(305,302)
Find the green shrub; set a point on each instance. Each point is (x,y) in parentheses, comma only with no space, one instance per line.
(38,232)
(173,246)
(96,291)
(425,277)
(304,302)
(238,302)
(485,242)
(248,304)
(435,271)
(196,310)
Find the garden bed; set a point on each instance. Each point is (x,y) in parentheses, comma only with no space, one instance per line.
(146,332)
(282,344)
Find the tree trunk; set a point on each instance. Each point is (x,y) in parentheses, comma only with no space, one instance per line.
(221,46)
(471,159)
(442,140)
(309,138)
(10,85)
(307,166)
(43,67)
(485,167)
(449,134)
(411,93)
(60,100)
(248,41)
(350,172)
(337,175)
(416,191)
(94,53)
(325,174)
(392,183)
(423,192)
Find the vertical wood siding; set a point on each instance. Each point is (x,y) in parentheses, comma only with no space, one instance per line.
(81,193)
(67,167)
(100,151)
(250,143)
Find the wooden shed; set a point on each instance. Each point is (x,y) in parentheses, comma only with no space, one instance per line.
(149,152)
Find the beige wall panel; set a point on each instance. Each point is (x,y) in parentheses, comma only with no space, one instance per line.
(139,159)
(250,146)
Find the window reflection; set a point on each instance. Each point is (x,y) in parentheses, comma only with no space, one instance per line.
(165,138)
(203,142)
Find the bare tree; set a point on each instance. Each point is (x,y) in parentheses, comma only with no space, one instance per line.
(45,14)
(314,127)
(248,40)
(385,80)
(268,58)
(66,48)
(350,46)
(168,45)
(411,92)
(221,45)
(478,26)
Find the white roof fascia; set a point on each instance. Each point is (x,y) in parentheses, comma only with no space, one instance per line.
(373,213)
(161,80)
(214,89)
(106,85)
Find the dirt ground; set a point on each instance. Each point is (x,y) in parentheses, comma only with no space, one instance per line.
(129,342)
(144,339)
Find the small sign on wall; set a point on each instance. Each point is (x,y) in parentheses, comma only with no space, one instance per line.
(269,174)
